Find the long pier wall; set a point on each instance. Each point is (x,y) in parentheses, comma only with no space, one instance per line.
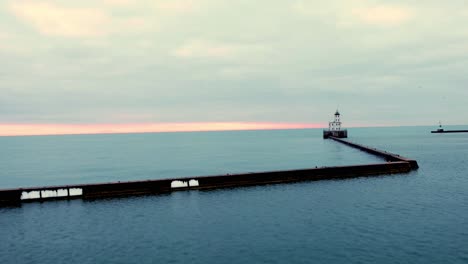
(102,190)
(380,153)
(450,131)
(395,164)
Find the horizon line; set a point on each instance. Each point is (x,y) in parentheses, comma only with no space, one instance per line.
(49,129)
(44,129)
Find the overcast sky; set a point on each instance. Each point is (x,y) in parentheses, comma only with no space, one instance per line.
(292,61)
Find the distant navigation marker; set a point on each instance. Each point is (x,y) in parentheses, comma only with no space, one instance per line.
(441,130)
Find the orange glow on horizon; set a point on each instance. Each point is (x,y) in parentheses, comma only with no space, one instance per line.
(71,129)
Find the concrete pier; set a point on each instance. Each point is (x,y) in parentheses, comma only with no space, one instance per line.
(390,157)
(449,131)
(100,190)
(394,164)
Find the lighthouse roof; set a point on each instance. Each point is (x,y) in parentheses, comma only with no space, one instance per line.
(337,113)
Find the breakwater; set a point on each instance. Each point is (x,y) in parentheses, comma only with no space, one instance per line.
(449,131)
(394,164)
(390,157)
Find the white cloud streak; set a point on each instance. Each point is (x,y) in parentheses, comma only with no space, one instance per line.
(51,19)
(383,15)
(355,13)
(203,49)
(180,6)
(200,48)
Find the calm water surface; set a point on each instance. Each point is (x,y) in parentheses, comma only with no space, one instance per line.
(421,217)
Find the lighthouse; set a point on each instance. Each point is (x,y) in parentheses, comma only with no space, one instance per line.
(334,128)
(336,124)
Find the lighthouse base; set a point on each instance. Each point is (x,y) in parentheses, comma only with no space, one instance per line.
(337,133)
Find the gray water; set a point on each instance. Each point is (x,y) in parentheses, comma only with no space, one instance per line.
(420,217)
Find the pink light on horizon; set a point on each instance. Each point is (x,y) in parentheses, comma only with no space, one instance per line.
(71,129)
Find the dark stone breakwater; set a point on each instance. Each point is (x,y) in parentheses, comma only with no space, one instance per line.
(449,131)
(390,157)
(394,164)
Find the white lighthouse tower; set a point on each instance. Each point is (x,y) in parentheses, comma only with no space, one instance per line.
(334,128)
(335,125)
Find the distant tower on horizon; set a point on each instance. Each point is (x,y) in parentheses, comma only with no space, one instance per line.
(335,125)
(334,128)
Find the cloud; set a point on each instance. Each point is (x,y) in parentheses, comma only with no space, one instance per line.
(5,40)
(202,49)
(82,61)
(77,22)
(4,36)
(12,44)
(50,19)
(238,72)
(209,49)
(383,15)
(180,6)
(312,9)
(158,5)
(119,2)
(355,13)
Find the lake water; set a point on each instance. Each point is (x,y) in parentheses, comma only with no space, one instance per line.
(420,217)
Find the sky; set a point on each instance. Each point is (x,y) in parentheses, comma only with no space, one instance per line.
(170,65)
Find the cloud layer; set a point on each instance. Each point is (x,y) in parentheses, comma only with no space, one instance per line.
(53,20)
(185,61)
